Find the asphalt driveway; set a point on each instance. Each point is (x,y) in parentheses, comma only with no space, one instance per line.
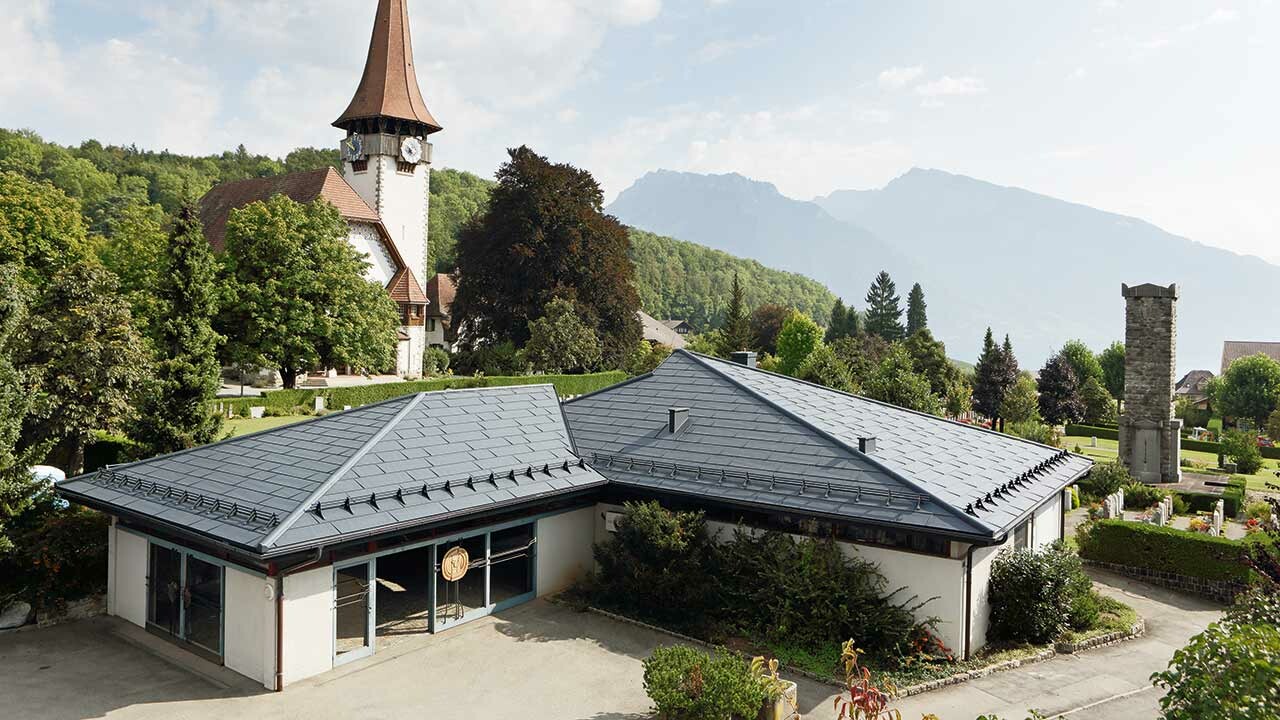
(537,661)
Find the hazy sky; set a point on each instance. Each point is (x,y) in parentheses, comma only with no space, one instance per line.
(1165,110)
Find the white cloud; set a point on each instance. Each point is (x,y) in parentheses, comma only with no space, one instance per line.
(567,115)
(947,86)
(717,49)
(899,77)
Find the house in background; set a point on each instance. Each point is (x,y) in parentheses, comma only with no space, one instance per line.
(440,292)
(1194,386)
(1233,350)
(680,326)
(382,191)
(657,331)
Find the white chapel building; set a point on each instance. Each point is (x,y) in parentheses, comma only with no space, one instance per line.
(383,190)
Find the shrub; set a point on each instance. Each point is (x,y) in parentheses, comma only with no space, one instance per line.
(1075,497)
(646,357)
(1140,496)
(496,359)
(60,556)
(1242,448)
(1258,511)
(1163,549)
(1230,669)
(1180,505)
(1105,478)
(1106,433)
(688,684)
(1032,593)
(1233,496)
(657,564)
(1035,432)
(435,361)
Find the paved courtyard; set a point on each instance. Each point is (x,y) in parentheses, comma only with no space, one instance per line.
(537,661)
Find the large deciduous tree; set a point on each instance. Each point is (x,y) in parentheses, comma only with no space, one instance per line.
(929,358)
(884,311)
(917,316)
(895,381)
(735,332)
(1022,403)
(799,337)
(1059,387)
(17,491)
(1099,405)
(544,234)
(1082,361)
(174,413)
(561,342)
(295,293)
(41,228)
(766,323)
(825,368)
(1111,360)
(85,359)
(1249,389)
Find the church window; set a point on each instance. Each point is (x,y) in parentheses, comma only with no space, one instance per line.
(405,167)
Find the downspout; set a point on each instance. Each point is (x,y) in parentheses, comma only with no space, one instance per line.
(1064,500)
(279,576)
(968,598)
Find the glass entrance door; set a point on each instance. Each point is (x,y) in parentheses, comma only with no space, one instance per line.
(184,599)
(462,579)
(354,612)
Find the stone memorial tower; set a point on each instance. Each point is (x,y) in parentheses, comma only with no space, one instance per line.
(1150,436)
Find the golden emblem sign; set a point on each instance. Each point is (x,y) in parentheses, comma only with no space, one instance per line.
(454,564)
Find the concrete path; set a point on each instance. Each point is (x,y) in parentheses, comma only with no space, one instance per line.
(1109,683)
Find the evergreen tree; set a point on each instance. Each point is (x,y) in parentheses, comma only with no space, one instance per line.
(735,333)
(929,358)
(1059,387)
(994,376)
(174,413)
(836,326)
(917,318)
(884,311)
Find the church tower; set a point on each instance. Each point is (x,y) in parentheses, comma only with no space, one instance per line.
(386,155)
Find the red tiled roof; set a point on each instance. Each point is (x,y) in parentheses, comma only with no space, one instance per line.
(303,187)
(440,291)
(404,288)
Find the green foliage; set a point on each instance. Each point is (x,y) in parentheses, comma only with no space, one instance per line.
(646,357)
(837,325)
(1021,403)
(457,197)
(678,279)
(659,565)
(1035,431)
(917,317)
(435,361)
(1140,496)
(824,368)
(1249,388)
(174,413)
(1032,594)
(766,324)
(18,494)
(295,294)
(1259,510)
(799,336)
(862,355)
(84,358)
(735,331)
(1273,425)
(1105,478)
(1059,388)
(1233,496)
(58,555)
(929,358)
(707,343)
(490,359)
(994,375)
(134,242)
(560,341)
(688,684)
(1082,361)
(1230,669)
(1111,361)
(1242,448)
(41,229)
(895,381)
(1163,549)
(959,397)
(1099,406)
(1106,433)
(544,234)
(884,313)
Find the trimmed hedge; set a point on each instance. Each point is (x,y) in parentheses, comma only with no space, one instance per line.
(1233,496)
(336,398)
(1108,433)
(1164,549)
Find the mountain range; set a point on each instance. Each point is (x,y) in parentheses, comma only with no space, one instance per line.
(1040,269)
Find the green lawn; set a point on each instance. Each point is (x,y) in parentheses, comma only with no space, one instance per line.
(1107,450)
(244,426)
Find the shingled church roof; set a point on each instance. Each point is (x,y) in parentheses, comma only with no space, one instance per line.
(389,86)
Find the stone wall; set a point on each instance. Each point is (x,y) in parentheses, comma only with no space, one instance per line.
(1150,436)
(1220,590)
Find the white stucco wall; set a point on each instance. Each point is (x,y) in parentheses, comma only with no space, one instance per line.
(924,576)
(979,611)
(401,201)
(308,623)
(1047,526)
(249,632)
(128,587)
(564,549)
(365,239)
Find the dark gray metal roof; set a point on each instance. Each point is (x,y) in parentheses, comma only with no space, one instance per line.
(926,472)
(407,461)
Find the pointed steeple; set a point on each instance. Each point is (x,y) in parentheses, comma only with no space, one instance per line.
(388,90)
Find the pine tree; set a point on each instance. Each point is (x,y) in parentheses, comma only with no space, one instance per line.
(1007,375)
(175,413)
(884,311)
(736,331)
(986,389)
(839,316)
(917,319)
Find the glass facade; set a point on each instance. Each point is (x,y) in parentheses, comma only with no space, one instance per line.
(185,598)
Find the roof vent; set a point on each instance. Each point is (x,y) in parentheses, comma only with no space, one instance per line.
(866,445)
(744,357)
(677,418)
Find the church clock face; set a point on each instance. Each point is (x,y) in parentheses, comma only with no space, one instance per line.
(411,150)
(352,148)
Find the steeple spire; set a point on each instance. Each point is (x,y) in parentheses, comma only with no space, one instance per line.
(388,90)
